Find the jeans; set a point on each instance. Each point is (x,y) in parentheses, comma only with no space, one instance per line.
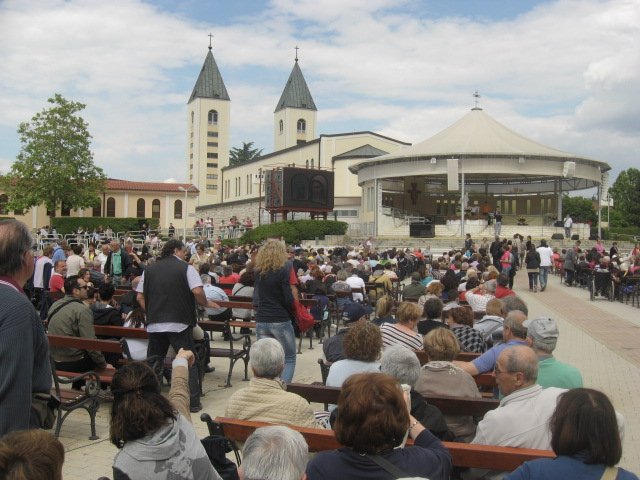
(569,277)
(159,344)
(567,233)
(544,273)
(283,333)
(533,279)
(497,227)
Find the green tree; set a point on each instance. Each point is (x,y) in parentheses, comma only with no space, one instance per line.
(245,154)
(580,208)
(626,196)
(55,164)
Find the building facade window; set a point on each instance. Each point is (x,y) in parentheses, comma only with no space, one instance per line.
(302,125)
(193,114)
(212,187)
(212,134)
(97,209)
(155,208)
(212,117)
(177,209)
(111,207)
(140,208)
(212,144)
(212,155)
(281,126)
(212,176)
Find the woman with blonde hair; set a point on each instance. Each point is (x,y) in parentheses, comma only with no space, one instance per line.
(440,376)
(434,290)
(383,311)
(403,332)
(273,295)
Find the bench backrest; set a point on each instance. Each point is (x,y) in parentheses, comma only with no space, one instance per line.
(462,454)
(476,407)
(63,341)
(121,332)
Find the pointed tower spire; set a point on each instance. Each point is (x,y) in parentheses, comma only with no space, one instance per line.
(209,83)
(296,94)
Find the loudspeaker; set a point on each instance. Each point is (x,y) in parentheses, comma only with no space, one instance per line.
(557,236)
(558,223)
(298,189)
(575,236)
(423,230)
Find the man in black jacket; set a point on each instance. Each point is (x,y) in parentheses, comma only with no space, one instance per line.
(168,291)
(118,263)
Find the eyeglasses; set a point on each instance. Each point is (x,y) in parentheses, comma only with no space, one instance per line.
(83,286)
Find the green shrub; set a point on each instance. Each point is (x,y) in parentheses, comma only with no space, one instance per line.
(294,231)
(64,225)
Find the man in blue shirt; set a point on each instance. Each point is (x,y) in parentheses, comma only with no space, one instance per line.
(515,333)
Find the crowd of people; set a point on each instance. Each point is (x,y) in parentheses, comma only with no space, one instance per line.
(460,301)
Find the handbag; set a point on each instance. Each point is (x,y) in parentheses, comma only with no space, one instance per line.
(304,319)
(43,409)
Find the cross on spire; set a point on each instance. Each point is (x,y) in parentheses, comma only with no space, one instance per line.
(476,95)
(297,52)
(210,38)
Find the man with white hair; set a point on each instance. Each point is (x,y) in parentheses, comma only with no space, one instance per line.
(266,398)
(274,453)
(478,297)
(403,364)
(542,336)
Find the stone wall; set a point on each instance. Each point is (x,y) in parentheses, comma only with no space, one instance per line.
(224,211)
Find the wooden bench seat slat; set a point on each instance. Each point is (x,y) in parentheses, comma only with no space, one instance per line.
(462,454)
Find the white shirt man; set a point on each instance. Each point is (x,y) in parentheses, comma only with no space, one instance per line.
(355,281)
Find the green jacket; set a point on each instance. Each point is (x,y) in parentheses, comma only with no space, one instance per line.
(69,316)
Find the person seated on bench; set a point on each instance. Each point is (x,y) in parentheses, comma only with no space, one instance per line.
(31,454)
(432,316)
(362,347)
(492,322)
(403,365)
(153,433)
(440,376)
(341,285)
(585,434)
(215,294)
(266,398)
(274,453)
(69,316)
(404,331)
(514,334)
(372,425)
(523,416)
(384,305)
(103,312)
(333,347)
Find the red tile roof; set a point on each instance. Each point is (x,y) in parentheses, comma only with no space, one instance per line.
(115,184)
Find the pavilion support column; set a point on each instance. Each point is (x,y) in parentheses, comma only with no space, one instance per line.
(462,207)
(559,202)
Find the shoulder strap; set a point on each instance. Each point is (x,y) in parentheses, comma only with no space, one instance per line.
(610,473)
(388,466)
(60,307)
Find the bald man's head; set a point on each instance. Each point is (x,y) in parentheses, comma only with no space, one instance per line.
(516,368)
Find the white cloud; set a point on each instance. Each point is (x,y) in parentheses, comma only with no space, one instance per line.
(565,73)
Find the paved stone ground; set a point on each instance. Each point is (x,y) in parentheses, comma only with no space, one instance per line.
(601,338)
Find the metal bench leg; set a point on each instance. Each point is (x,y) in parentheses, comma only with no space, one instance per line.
(300,344)
(93,409)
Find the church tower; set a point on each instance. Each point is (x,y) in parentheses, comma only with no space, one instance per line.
(295,117)
(208,125)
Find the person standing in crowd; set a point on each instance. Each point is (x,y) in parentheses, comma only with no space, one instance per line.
(497,217)
(532,261)
(118,263)
(274,293)
(568,222)
(168,291)
(24,350)
(546,254)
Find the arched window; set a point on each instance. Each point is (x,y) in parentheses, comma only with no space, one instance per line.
(177,209)
(155,208)
(302,126)
(97,209)
(140,207)
(3,204)
(212,118)
(192,116)
(111,207)
(281,126)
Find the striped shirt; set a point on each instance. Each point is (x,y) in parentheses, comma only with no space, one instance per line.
(391,335)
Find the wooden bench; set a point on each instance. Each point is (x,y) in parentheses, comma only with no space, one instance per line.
(462,454)
(73,399)
(476,407)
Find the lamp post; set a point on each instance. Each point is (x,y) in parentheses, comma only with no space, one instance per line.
(186,193)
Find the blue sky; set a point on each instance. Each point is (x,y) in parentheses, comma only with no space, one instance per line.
(564,73)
